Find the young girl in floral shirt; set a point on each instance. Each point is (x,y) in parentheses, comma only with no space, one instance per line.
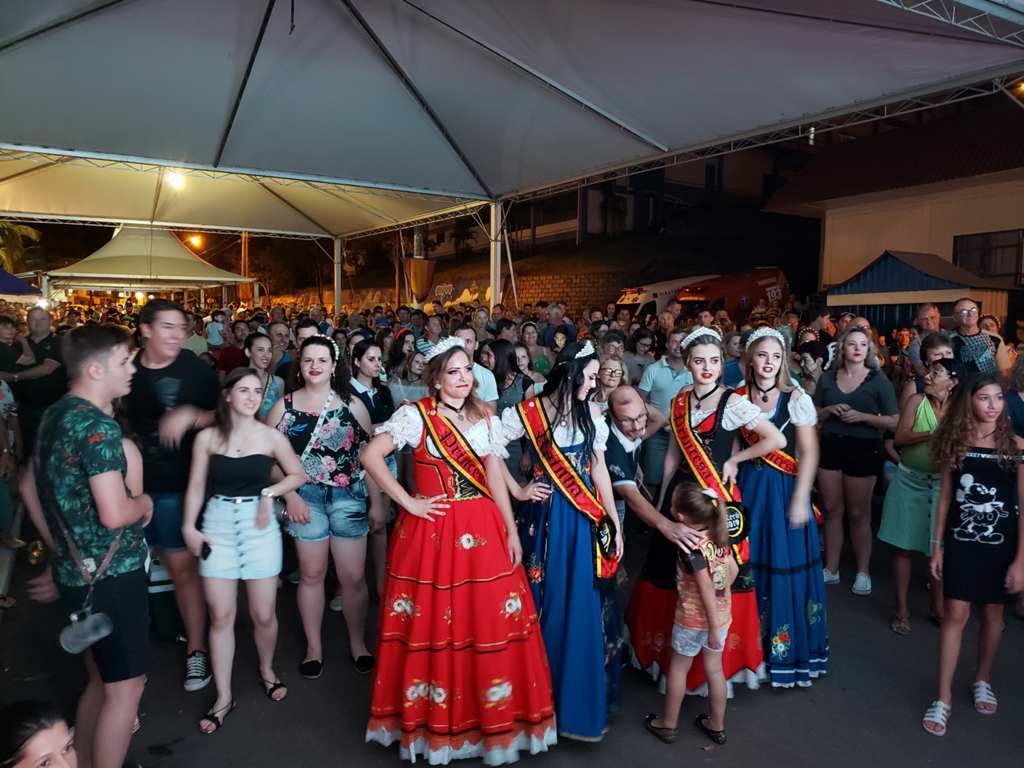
(703,613)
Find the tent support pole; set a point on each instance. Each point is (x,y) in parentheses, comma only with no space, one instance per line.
(44,284)
(496,227)
(338,262)
(255,295)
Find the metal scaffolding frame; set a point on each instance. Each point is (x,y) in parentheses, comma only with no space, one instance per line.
(984,17)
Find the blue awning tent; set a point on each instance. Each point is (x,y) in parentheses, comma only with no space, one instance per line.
(12,287)
(889,290)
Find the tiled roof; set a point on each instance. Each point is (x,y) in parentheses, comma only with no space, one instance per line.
(975,143)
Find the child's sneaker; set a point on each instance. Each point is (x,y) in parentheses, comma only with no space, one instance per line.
(831,578)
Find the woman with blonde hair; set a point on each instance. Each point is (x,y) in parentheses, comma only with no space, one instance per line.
(855,404)
(785,554)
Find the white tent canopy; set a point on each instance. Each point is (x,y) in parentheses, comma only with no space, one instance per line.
(371,114)
(141,258)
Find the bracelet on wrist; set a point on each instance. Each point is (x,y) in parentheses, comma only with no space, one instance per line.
(941,546)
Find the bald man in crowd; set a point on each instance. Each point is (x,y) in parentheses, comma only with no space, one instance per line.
(632,421)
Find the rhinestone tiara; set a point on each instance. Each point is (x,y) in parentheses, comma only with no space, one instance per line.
(443,346)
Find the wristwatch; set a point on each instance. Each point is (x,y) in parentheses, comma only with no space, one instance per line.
(267,493)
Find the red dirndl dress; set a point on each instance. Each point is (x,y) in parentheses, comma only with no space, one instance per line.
(461,668)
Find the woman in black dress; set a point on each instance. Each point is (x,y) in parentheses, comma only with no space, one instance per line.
(980,557)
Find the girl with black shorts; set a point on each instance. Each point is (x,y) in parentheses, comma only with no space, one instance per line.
(855,403)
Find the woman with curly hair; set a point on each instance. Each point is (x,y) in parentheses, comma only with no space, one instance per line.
(978,552)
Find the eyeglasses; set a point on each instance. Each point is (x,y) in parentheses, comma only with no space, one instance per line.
(971,311)
(612,372)
(637,421)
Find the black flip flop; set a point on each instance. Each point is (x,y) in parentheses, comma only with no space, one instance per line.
(716,736)
(274,688)
(216,717)
(668,735)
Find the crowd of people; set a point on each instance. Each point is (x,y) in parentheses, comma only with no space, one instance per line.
(471,472)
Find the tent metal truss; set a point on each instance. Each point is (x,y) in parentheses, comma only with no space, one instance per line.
(800,133)
(984,17)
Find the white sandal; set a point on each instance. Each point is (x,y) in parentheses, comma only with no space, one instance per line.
(938,713)
(983,695)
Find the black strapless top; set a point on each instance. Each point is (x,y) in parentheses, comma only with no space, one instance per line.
(241,476)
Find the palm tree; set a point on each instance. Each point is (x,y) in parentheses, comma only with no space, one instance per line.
(12,245)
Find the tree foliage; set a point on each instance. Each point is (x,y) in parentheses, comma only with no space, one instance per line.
(12,244)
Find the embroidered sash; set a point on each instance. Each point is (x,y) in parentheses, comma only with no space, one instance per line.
(453,446)
(779,460)
(703,468)
(568,481)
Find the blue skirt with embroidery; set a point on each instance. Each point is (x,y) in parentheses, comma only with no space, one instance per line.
(786,567)
(582,626)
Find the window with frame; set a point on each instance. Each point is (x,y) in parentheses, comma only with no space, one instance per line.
(993,255)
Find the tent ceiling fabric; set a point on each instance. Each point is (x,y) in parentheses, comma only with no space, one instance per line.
(143,257)
(469,99)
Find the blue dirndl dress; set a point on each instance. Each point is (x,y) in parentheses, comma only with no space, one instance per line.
(786,567)
(582,625)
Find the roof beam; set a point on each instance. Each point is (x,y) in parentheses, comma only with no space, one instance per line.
(62,23)
(306,216)
(547,82)
(984,17)
(420,99)
(245,81)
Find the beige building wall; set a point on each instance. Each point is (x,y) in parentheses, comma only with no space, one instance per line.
(857,232)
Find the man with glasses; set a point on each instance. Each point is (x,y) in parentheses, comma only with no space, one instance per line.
(632,421)
(613,343)
(976,350)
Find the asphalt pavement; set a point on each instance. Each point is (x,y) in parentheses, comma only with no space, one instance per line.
(865,712)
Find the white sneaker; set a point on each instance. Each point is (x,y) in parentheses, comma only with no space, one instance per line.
(831,578)
(862,584)
(335,604)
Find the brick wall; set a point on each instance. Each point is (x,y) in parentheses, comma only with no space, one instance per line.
(580,292)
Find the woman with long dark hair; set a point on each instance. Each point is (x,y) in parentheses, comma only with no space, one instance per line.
(639,354)
(572,542)
(328,429)
(232,463)
(367,386)
(402,347)
(978,551)
(259,351)
(540,356)
(462,671)
(514,386)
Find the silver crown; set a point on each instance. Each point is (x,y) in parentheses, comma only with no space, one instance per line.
(587,351)
(701,332)
(443,346)
(760,333)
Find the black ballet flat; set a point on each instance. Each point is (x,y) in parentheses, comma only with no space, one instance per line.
(311,669)
(365,664)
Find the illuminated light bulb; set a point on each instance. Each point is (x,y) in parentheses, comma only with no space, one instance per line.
(176,180)
(195,240)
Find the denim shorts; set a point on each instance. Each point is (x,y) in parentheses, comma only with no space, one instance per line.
(334,511)
(239,549)
(688,642)
(164,530)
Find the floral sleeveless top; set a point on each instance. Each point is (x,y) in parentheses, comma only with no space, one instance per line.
(334,457)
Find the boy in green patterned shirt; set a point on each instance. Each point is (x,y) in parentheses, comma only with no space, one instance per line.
(82,474)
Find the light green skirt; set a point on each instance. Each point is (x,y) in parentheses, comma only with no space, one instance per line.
(908,514)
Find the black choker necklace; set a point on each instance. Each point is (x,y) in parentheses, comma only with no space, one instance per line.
(764,392)
(451,407)
(700,398)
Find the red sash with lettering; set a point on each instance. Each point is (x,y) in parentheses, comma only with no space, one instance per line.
(703,468)
(453,446)
(779,460)
(568,481)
